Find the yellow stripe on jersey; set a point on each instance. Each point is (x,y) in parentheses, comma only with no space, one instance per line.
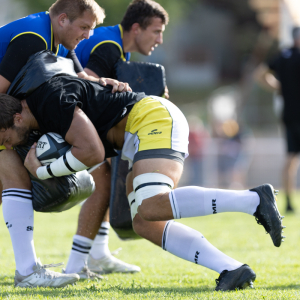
(2,148)
(153,124)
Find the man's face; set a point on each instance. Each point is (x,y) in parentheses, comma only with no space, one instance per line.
(149,38)
(79,29)
(14,136)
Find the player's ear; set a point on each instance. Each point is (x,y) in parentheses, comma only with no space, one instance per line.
(62,18)
(136,28)
(18,119)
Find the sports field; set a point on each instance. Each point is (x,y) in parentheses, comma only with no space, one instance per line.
(164,276)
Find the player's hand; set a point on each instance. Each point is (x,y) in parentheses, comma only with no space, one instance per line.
(166,94)
(31,162)
(118,86)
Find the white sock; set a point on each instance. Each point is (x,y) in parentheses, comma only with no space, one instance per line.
(18,215)
(100,245)
(191,245)
(79,254)
(193,201)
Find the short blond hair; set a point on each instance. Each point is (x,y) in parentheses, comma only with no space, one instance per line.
(76,8)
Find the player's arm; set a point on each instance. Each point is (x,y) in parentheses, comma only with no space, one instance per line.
(101,64)
(266,78)
(16,56)
(86,152)
(103,80)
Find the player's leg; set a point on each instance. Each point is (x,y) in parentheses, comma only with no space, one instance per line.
(189,244)
(291,162)
(89,221)
(197,201)
(100,259)
(289,176)
(18,215)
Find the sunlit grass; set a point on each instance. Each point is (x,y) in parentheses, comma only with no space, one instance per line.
(164,276)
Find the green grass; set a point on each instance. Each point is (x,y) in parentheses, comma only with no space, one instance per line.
(164,276)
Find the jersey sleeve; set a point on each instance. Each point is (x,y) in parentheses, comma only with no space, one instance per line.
(103,60)
(18,52)
(77,65)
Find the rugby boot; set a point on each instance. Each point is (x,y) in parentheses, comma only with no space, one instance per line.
(240,278)
(110,264)
(267,213)
(41,277)
(86,273)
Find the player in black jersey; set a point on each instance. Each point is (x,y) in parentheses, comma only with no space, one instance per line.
(153,136)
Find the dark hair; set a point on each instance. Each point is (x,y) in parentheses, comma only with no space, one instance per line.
(76,8)
(296,32)
(8,107)
(142,12)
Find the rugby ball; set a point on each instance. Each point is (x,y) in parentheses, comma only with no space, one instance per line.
(50,147)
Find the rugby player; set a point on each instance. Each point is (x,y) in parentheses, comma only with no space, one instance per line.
(141,30)
(153,136)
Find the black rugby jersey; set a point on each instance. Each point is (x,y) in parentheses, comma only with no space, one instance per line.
(53,105)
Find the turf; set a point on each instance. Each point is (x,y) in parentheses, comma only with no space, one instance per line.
(164,276)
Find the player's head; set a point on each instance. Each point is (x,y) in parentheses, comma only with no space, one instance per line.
(296,35)
(13,130)
(72,20)
(147,19)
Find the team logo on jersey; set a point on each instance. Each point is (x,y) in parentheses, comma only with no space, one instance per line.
(8,225)
(214,206)
(29,228)
(196,257)
(154,131)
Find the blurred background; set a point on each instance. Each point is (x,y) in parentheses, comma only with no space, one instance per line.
(210,51)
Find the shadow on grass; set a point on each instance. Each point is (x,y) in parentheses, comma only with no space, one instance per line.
(94,290)
(283,287)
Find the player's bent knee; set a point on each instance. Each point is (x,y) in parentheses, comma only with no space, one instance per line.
(146,212)
(138,226)
(146,186)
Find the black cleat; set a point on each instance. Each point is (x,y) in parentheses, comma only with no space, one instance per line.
(240,278)
(267,213)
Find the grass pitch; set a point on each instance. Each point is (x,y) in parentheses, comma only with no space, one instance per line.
(164,276)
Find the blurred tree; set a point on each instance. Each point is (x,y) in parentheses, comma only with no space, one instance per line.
(115,9)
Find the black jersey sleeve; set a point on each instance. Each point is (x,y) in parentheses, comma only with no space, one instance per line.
(77,65)
(18,52)
(103,60)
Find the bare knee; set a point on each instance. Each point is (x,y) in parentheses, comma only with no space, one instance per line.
(138,226)
(13,174)
(146,211)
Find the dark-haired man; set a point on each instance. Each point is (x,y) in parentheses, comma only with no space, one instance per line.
(141,30)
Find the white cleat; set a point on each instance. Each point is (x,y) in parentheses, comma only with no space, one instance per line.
(41,277)
(110,264)
(86,273)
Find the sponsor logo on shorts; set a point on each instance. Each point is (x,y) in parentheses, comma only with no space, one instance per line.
(214,206)
(41,144)
(8,225)
(196,257)
(29,228)
(154,131)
